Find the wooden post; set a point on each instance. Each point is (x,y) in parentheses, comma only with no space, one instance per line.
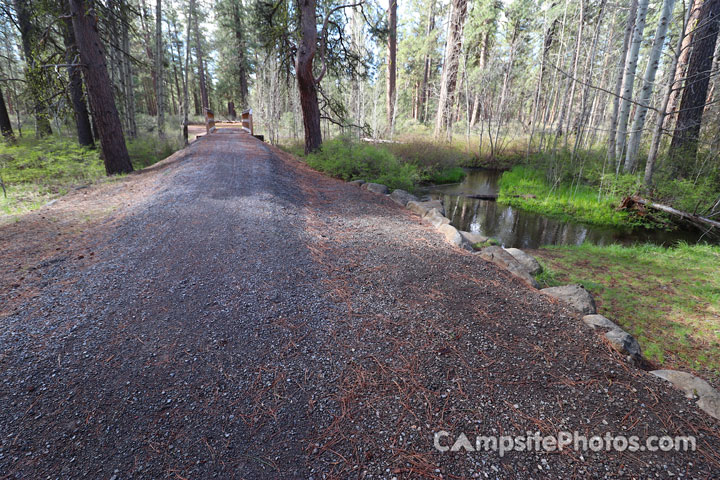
(209,121)
(247,122)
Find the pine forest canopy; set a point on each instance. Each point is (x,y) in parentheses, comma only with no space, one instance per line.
(635,80)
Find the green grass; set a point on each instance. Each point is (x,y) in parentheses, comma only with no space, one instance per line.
(36,171)
(488,243)
(669,298)
(446,175)
(579,202)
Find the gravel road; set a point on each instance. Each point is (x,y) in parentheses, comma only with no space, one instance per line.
(251,318)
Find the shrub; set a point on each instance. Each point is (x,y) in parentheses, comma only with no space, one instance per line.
(348,160)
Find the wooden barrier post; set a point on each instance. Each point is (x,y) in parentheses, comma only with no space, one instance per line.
(247,121)
(209,121)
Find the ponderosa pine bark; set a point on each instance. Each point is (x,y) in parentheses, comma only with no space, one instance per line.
(105,114)
(5,125)
(75,85)
(451,64)
(684,145)
(392,62)
(307,86)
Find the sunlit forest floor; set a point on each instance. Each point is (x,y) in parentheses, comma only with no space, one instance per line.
(36,171)
(668,298)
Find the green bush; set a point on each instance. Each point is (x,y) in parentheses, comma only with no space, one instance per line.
(348,160)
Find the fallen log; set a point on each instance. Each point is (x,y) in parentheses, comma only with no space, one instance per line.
(483,197)
(639,203)
(495,196)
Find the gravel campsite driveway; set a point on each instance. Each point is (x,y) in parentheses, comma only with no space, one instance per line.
(237,315)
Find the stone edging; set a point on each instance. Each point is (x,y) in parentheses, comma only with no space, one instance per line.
(525,266)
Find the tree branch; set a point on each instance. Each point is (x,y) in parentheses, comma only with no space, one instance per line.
(323,36)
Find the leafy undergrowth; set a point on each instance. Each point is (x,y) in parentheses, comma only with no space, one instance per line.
(528,189)
(668,298)
(36,171)
(351,160)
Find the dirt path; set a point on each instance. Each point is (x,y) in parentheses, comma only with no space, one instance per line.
(240,316)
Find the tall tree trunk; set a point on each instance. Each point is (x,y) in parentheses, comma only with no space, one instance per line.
(547,43)
(475,110)
(568,108)
(186,76)
(612,135)
(201,67)
(629,81)
(663,110)
(682,63)
(5,125)
(105,114)
(127,73)
(391,62)
(147,40)
(647,86)
(159,68)
(443,119)
(307,85)
(427,66)
(177,61)
(242,67)
(77,97)
(33,74)
(684,145)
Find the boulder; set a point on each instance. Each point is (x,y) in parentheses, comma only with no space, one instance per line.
(401,197)
(598,321)
(436,219)
(624,343)
(376,188)
(357,182)
(451,234)
(528,261)
(473,238)
(694,387)
(500,257)
(574,295)
(422,208)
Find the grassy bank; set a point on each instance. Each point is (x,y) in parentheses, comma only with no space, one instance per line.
(36,171)
(527,188)
(351,160)
(669,298)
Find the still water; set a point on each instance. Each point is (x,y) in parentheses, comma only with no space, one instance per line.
(521,229)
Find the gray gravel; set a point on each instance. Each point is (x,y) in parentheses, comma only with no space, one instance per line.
(254,319)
